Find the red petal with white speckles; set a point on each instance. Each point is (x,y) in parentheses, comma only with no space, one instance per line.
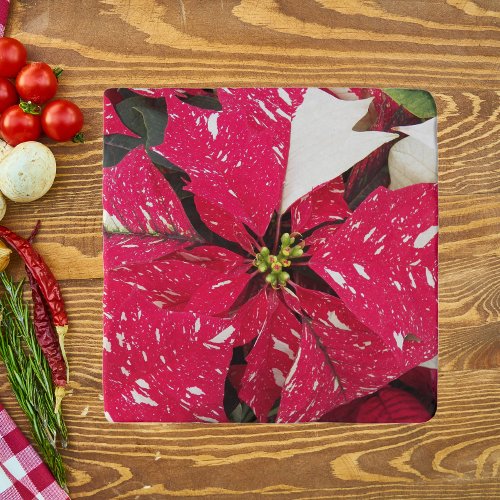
(358,361)
(319,238)
(383,264)
(270,360)
(311,387)
(112,122)
(225,152)
(251,317)
(157,374)
(216,296)
(222,223)
(324,204)
(137,199)
(169,284)
(123,249)
(213,257)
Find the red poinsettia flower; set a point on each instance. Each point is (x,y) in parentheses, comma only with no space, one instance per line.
(233,260)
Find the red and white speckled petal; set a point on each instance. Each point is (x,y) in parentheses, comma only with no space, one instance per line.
(270,360)
(169,284)
(217,295)
(124,249)
(112,122)
(137,199)
(210,256)
(224,224)
(324,204)
(165,366)
(357,358)
(311,387)
(318,239)
(383,264)
(224,152)
(251,317)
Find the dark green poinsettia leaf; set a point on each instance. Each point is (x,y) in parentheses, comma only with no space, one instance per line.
(116,146)
(177,180)
(242,414)
(161,161)
(125,92)
(203,101)
(381,178)
(273,412)
(132,114)
(146,117)
(419,102)
(237,414)
(155,120)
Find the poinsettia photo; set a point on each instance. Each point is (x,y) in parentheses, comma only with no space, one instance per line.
(270,255)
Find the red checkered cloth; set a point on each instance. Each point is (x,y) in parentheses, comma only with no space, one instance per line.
(4,14)
(23,475)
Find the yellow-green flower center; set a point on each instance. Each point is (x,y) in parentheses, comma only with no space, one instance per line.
(273,265)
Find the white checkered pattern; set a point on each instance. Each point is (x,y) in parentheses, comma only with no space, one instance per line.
(23,475)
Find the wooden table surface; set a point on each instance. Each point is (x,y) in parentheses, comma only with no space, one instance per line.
(448,47)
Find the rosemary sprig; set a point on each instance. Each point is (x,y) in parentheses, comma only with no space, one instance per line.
(30,377)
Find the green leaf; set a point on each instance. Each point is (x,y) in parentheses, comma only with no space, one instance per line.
(203,101)
(381,178)
(155,121)
(132,114)
(419,102)
(242,414)
(237,414)
(30,376)
(161,161)
(125,92)
(146,117)
(116,146)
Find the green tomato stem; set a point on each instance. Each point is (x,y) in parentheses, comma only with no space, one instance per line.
(30,108)
(57,71)
(79,138)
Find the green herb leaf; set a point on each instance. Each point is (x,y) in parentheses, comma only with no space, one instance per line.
(419,102)
(30,377)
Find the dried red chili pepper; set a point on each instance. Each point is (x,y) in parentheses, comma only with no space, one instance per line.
(46,336)
(46,281)
(48,341)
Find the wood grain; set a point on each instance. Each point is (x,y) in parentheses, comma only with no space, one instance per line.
(449,47)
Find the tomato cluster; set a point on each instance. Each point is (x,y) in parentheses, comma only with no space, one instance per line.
(22,117)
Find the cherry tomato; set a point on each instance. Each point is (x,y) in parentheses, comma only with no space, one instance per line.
(16,126)
(12,57)
(8,94)
(36,82)
(62,120)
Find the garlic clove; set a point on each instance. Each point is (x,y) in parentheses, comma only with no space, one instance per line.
(5,252)
(3,206)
